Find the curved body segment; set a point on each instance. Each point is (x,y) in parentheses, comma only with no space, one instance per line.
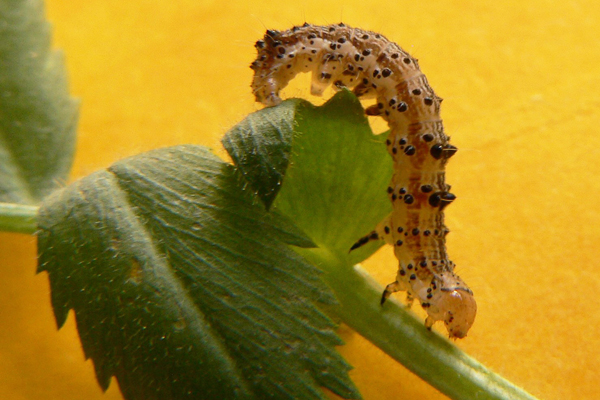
(372,66)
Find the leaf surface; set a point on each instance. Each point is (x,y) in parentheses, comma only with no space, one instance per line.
(184,287)
(260,146)
(37,116)
(333,181)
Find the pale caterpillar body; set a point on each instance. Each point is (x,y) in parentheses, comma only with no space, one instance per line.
(373,66)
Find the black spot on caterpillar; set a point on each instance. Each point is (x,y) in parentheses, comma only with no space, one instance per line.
(374,67)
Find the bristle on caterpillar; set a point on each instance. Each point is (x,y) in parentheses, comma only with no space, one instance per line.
(372,66)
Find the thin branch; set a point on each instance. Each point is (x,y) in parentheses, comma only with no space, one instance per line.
(404,338)
(18,218)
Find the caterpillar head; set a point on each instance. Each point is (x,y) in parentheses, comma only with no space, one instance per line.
(455,305)
(459,309)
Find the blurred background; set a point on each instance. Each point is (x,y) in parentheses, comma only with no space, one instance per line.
(521,83)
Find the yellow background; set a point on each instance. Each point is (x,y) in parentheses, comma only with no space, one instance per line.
(521,83)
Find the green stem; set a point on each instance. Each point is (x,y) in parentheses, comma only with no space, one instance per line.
(18,218)
(404,338)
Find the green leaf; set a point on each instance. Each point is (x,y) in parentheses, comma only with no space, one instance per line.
(260,147)
(335,158)
(184,288)
(334,190)
(37,116)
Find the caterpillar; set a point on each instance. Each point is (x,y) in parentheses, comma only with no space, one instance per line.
(374,67)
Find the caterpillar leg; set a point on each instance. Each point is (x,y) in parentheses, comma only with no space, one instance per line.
(429,322)
(397,287)
(373,110)
(389,289)
(409,299)
(364,240)
(363,90)
(382,232)
(339,85)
